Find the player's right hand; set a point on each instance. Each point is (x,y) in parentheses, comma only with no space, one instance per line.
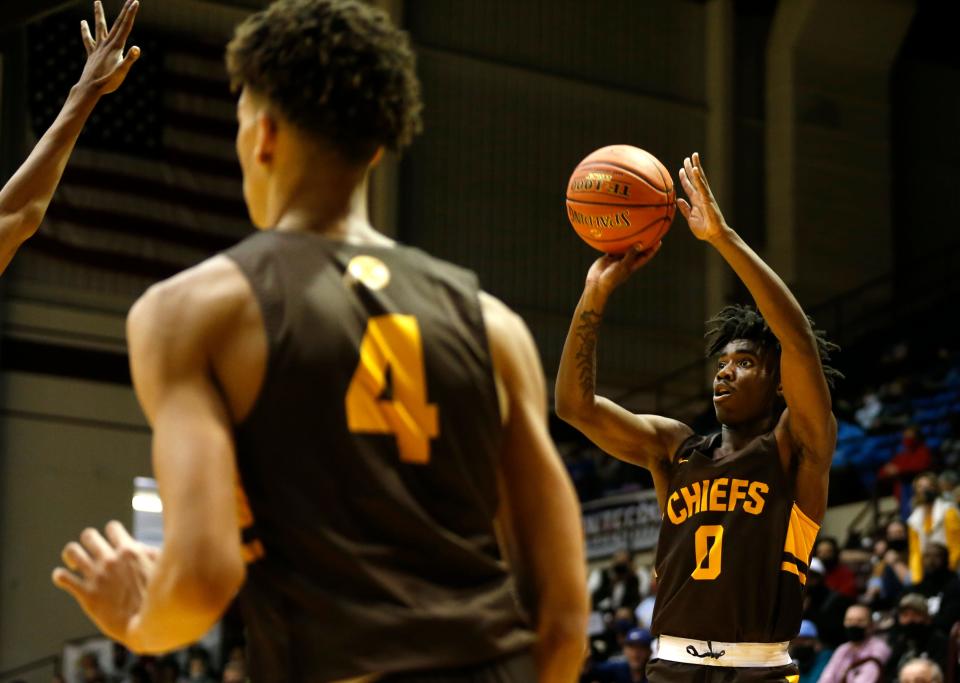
(106,65)
(611,270)
(108,577)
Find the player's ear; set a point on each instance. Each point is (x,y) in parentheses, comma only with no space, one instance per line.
(266,141)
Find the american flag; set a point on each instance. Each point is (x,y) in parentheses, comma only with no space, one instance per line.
(153,185)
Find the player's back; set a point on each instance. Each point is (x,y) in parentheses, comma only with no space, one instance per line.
(369,466)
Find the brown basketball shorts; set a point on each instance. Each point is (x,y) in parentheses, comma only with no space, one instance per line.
(663,671)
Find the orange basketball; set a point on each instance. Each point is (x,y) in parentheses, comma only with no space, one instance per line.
(618,196)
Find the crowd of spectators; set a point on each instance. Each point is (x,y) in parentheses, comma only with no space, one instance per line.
(192,665)
(865,619)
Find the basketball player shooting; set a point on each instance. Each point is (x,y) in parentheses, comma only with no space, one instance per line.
(741,508)
(25,197)
(346,429)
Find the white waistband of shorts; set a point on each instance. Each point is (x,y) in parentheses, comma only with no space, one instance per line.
(715,653)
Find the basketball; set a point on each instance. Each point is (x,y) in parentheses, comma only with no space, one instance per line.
(618,196)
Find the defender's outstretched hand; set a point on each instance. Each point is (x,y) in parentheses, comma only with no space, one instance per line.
(107,577)
(702,211)
(106,65)
(611,270)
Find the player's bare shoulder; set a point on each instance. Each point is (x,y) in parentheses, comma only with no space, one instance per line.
(499,320)
(198,300)
(512,349)
(206,314)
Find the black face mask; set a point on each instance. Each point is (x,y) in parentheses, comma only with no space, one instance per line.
(855,634)
(803,655)
(829,562)
(621,569)
(929,495)
(898,544)
(915,631)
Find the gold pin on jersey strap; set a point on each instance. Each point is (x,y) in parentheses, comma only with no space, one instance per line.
(369,271)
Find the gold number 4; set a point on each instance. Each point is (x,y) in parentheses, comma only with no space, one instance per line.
(392,344)
(711,552)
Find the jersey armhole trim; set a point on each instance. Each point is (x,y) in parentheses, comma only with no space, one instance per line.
(268,370)
(798,544)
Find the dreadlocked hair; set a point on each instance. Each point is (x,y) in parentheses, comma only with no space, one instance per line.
(745,322)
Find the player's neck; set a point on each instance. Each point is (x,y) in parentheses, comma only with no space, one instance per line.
(332,204)
(736,437)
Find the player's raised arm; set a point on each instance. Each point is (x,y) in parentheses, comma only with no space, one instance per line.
(808,423)
(25,197)
(149,607)
(645,440)
(539,516)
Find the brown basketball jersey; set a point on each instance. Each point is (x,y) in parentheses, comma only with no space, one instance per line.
(368,467)
(734,547)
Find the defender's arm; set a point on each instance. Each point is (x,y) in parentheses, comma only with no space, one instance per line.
(539,516)
(26,196)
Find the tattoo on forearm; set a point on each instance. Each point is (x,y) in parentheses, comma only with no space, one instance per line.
(586,355)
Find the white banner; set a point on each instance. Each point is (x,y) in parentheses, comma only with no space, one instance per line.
(630,521)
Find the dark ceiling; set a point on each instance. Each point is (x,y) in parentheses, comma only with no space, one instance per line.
(15,14)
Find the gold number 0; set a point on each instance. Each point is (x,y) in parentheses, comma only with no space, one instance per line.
(712,555)
(392,343)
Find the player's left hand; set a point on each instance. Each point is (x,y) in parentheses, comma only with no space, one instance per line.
(107,577)
(106,65)
(702,211)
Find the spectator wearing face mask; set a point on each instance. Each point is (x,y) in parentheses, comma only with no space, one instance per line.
(839,577)
(862,658)
(932,520)
(914,635)
(808,653)
(912,458)
(890,572)
(940,586)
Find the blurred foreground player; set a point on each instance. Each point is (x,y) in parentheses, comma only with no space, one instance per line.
(387,420)
(26,196)
(741,508)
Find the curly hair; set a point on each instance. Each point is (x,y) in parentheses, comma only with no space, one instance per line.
(337,69)
(746,322)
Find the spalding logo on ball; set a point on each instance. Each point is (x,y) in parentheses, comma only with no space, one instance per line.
(618,196)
